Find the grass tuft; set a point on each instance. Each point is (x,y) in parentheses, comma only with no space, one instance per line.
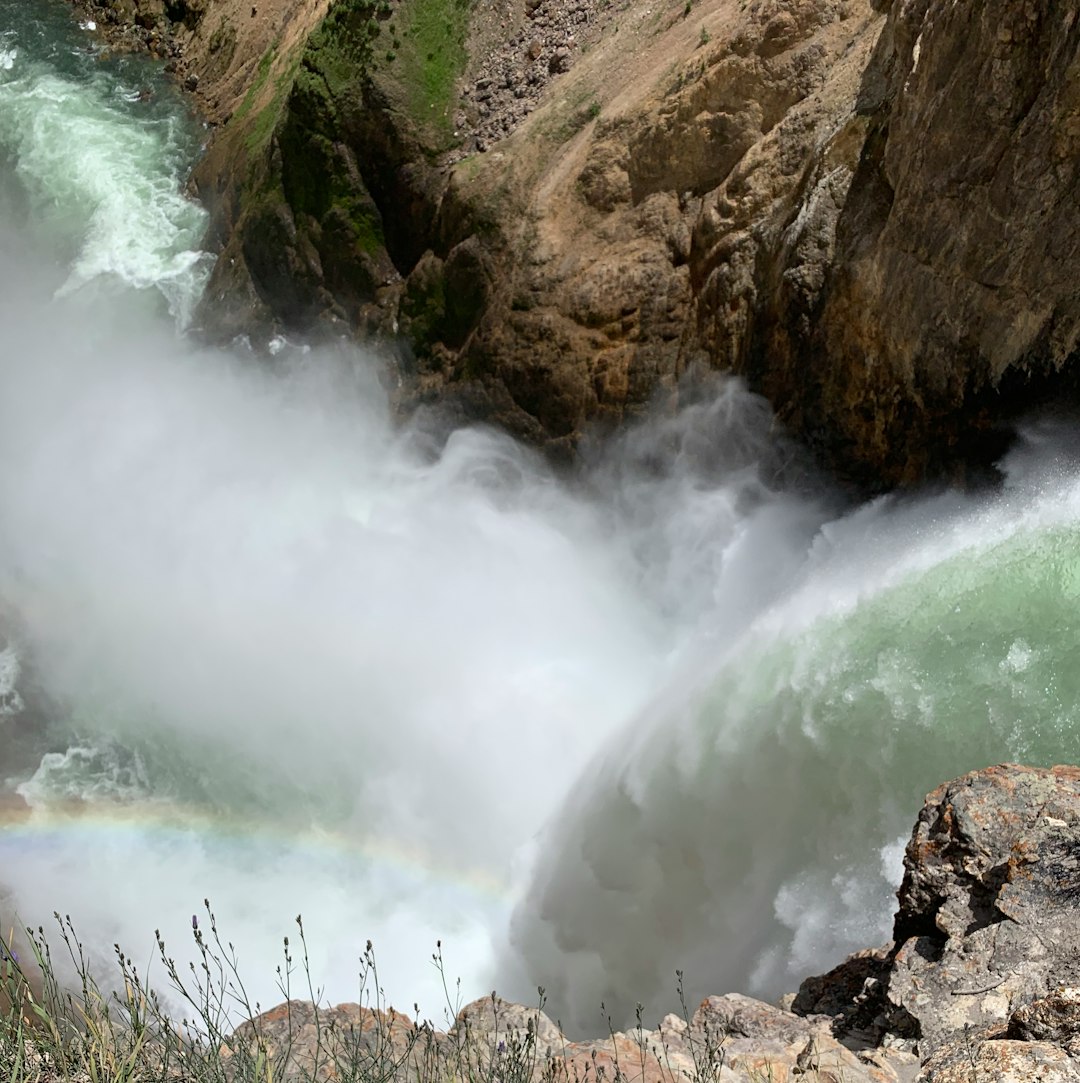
(73,1029)
(58,1025)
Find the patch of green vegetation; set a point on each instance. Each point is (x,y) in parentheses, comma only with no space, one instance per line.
(266,62)
(340,51)
(57,1023)
(266,121)
(423,306)
(317,182)
(69,1018)
(368,231)
(431,58)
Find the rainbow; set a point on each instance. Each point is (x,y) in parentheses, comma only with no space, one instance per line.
(90,823)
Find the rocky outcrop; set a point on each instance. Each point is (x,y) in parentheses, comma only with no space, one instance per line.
(729,1039)
(609,242)
(982,981)
(947,303)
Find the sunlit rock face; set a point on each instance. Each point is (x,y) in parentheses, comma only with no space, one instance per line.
(863,207)
(981,976)
(948,301)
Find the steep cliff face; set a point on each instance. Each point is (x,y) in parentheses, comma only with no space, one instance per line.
(635,247)
(868,209)
(948,303)
(321,178)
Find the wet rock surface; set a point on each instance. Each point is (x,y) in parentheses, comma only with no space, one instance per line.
(141,25)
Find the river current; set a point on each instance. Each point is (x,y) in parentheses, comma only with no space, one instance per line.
(262,644)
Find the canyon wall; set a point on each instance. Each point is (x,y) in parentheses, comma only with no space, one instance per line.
(548,210)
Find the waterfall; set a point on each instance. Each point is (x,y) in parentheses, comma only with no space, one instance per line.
(262,643)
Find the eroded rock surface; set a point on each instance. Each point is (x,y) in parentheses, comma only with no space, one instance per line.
(730,1039)
(983,979)
(948,301)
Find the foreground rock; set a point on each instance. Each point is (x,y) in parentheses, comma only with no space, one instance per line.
(983,979)
(729,1039)
(981,983)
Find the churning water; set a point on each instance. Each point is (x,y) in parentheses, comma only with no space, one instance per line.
(260,643)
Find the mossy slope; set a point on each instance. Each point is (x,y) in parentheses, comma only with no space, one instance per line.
(324,177)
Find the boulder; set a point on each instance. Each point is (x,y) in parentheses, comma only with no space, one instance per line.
(982,978)
(988,921)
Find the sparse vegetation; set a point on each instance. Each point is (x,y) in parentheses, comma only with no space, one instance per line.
(122,1031)
(266,120)
(569,116)
(223,44)
(266,62)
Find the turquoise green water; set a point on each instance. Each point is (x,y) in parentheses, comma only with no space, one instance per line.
(755,822)
(95,147)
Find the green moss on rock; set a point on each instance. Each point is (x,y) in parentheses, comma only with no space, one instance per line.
(423,304)
(332,161)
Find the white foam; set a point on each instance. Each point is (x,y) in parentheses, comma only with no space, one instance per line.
(89,773)
(111,175)
(1019,658)
(298,615)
